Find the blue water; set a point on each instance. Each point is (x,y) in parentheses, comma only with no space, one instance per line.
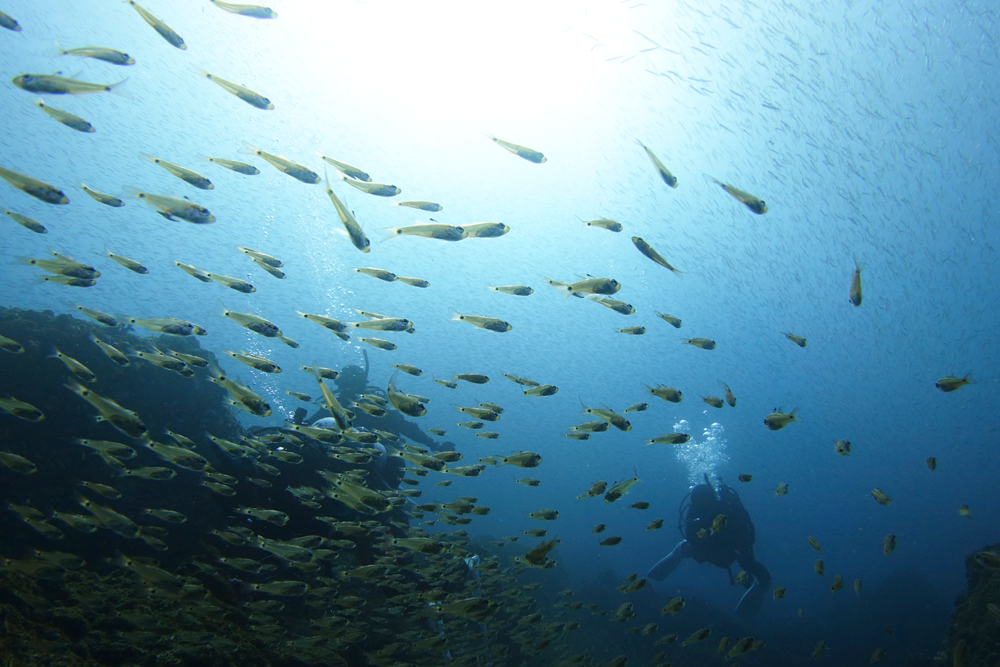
(870,131)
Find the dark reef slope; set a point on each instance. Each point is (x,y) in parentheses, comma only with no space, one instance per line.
(975,629)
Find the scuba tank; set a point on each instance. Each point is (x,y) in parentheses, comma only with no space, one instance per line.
(684,518)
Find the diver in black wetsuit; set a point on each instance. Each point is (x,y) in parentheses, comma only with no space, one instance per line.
(733,543)
(353,381)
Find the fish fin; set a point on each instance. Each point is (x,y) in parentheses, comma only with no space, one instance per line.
(389,233)
(132,192)
(65,258)
(116,88)
(716,181)
(559,285)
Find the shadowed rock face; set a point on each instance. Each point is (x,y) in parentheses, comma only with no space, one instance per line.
(972,624)
(95,611)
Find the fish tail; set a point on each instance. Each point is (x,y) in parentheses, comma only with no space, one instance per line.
(133,192)
(389,232)
(116,88)
(76,388)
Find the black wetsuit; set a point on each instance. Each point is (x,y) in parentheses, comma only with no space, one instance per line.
(732,543)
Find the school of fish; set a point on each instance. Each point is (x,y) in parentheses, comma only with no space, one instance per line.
(471,609)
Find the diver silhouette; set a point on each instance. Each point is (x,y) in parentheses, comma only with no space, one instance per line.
(734,542)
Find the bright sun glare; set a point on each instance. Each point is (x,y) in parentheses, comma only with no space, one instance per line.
(487,61)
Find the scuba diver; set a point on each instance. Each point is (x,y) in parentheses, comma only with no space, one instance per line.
(351,382)
(720,547)
(298,417)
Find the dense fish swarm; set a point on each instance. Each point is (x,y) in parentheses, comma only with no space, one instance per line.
(143,516)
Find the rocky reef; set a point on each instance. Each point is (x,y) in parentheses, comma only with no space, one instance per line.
(218,554)
(974,635)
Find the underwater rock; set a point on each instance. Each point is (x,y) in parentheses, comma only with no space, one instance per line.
(201,579)
(972,623)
